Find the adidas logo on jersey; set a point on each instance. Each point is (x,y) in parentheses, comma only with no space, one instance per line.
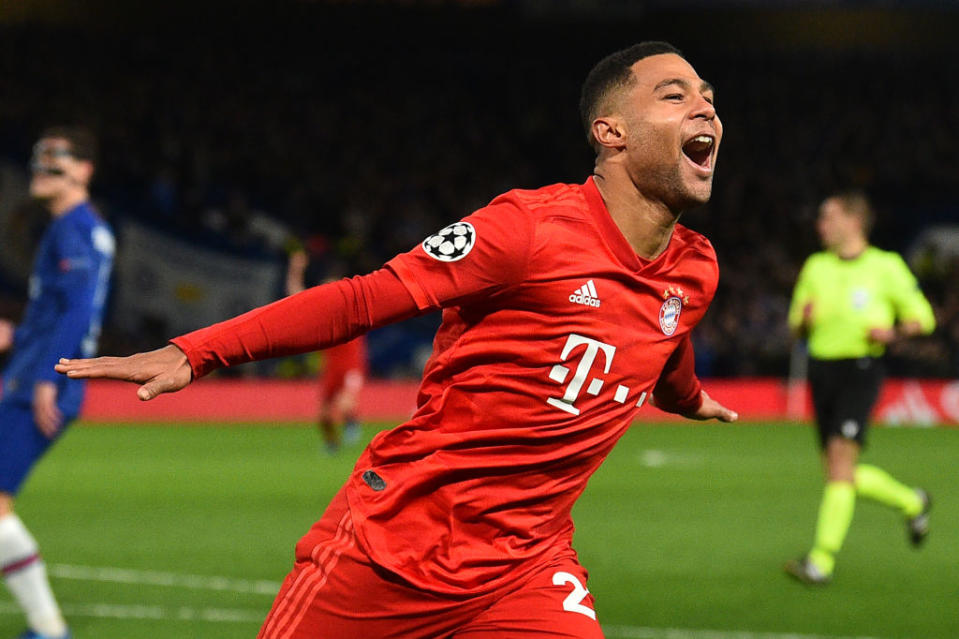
(586,295)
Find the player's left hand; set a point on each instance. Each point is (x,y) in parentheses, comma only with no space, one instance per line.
(711,409)
(46,414)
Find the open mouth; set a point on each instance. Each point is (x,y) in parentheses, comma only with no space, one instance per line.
(699,150)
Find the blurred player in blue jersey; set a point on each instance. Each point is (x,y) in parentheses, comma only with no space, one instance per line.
(68,288)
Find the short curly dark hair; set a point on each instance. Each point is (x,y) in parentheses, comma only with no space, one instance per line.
(611,73)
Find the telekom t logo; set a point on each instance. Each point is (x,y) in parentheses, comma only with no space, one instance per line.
(559,373)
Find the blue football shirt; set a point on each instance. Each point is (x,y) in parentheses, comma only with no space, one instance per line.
(68,291)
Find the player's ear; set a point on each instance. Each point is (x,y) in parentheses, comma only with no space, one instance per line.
(84,173)
(609,132)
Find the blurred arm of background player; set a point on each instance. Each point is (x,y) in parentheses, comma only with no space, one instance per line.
(296,271)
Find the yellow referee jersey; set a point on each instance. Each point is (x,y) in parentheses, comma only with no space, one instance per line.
(850,297)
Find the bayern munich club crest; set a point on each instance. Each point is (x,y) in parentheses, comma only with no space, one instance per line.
(671,309)
(452,243)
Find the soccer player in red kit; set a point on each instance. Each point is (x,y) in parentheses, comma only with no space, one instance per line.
(564,310)
(344,370)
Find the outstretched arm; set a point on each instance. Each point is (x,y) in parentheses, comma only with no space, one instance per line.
(317,318)
(411,284)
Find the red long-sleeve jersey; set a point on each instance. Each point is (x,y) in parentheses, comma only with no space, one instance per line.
(554,333)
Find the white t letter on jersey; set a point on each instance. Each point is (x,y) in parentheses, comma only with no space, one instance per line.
(559,372)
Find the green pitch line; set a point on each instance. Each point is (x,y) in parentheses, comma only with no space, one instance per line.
(114,575)
(148,615)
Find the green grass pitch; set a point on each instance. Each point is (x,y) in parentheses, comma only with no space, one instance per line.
(153,531)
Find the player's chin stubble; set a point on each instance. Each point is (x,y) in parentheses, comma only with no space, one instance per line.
(675,192)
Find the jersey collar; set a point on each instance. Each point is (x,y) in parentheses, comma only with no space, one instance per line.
(613,237)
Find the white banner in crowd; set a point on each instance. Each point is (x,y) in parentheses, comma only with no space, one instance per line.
(174,286)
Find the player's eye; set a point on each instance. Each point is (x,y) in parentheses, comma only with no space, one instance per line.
(674,96)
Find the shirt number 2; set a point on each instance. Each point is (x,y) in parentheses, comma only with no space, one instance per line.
(574,601)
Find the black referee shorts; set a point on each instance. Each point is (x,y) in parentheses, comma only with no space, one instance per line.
(844,392)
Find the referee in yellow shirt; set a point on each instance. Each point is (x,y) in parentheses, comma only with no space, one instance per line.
(850,302)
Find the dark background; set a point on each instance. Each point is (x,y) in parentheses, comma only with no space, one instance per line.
(372,125)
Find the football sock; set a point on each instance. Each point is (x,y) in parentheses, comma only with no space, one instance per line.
(835,515)
(876,484)
(26,577)
(351,430)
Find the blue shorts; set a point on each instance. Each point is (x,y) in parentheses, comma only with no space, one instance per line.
(21,444)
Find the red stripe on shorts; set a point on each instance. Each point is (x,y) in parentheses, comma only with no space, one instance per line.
(284,620)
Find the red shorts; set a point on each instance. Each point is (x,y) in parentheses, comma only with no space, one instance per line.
(344,368)
(335,592)
(335,381)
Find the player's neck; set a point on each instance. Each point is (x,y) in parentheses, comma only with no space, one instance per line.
(66,202)
(851,248)
(647,225)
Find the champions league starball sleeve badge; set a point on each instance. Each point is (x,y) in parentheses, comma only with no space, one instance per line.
(452,243)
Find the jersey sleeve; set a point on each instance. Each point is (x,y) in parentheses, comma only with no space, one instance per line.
(906,296)
(678,390)
(314,319)
(83,258)
(801,296)
(478,256)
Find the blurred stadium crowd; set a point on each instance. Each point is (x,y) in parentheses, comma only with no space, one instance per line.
(372,129)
